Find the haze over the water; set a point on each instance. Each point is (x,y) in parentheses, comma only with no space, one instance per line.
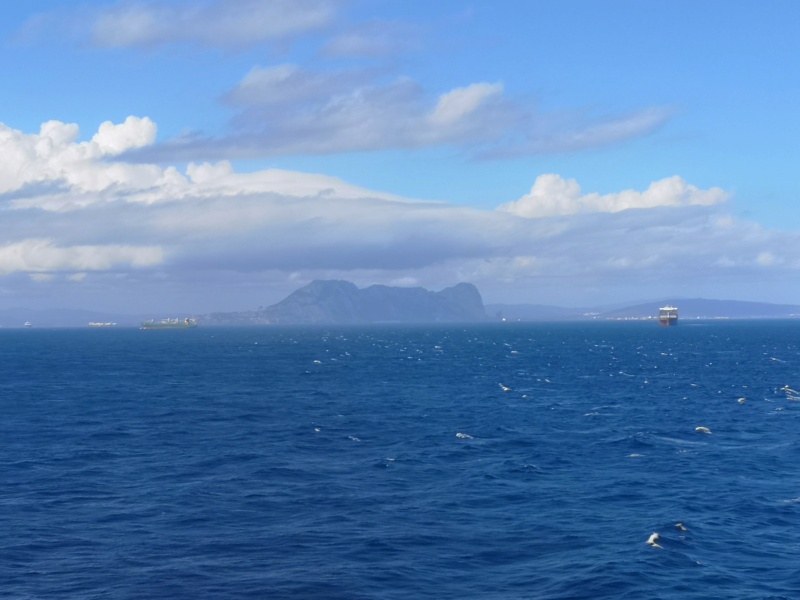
(217,155)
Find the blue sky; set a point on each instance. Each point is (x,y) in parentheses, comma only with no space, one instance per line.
(217,154)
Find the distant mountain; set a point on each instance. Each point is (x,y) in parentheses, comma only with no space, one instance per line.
(341,302)
(689,308)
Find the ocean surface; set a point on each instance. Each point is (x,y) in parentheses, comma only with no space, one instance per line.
(495,461)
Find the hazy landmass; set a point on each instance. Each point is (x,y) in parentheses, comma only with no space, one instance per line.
(690,308)
(341,302)
(334,302)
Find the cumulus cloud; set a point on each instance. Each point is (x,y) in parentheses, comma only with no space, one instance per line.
(54,155)
(79,214)
(224,23)
(114,139)
(552,195)
(54,171)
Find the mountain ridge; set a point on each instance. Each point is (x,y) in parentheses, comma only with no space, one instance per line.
(341,302)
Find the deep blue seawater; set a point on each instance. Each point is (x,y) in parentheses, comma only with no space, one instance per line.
(392,462)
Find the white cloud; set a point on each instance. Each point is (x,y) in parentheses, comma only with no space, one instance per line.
(52,170)
(765,259)
(291,87)
(219,179)
(134,133)
(207,173)
(460,103)
(551,195)
(225,23)
(287,109)
(43,256)
(54,156)
(571,131)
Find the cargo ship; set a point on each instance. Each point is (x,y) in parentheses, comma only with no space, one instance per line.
(186,323)
(668,316)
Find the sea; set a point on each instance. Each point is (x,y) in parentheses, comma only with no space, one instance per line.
(489,461)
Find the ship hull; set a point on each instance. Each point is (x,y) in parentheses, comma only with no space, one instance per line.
(668,316)
(169,324)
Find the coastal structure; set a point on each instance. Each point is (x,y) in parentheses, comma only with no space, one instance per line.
(668,316)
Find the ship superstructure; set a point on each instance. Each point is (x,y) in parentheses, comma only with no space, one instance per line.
(170,324)
(668,315)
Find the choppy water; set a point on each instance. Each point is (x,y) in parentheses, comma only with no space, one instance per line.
(504,461)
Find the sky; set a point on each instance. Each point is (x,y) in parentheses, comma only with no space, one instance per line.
(213,155)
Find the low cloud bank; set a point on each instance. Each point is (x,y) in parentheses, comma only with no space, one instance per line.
(77,213)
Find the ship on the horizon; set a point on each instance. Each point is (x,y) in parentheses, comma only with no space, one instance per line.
(668,315)
(186,323)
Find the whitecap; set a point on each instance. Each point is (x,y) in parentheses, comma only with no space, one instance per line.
(463,436)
